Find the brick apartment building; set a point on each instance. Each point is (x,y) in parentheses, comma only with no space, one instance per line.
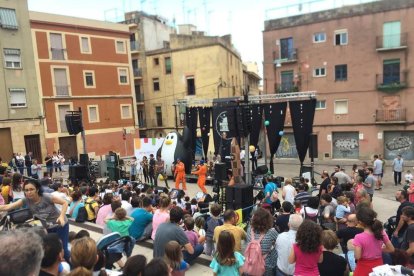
(85,63)
(359,60)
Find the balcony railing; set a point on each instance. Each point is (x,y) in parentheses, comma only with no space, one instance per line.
(62,90)
(289,56)
(392,82)
(142,124)
(137,72)
(391,115)
(286,87)
(58,54)
(391,42)
(134,45)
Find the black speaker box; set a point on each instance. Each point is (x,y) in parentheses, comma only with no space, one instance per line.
(240,196)
(313,146)
(73,123)
(243,121)
(261,170)
(220,171)
(78,172)
(84,159)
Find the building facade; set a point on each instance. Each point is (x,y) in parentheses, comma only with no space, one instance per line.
(251,78)
(21,118)
(193,66)
(147,33)
(358,60)
(82,63)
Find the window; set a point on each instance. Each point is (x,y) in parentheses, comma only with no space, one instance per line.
(341,107)
(286,49)
(158,114)
(341,72)
(12,58)
(62,111)
(341,37)
(126,111)
(156,61)
(392,34)
(321,104)
(167,61)
(391,70)
(8,19)
(156,84)
(190,86)
(56,46)
(85,45)
(120,47)
(319,72)
(319,37)
(61,82)
(123,75)
(89,79)
(93,113)
(17,97)
(287,81)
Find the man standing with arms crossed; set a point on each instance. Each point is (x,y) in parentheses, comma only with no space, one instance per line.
(397,168)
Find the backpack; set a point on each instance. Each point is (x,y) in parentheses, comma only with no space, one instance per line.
(89,204)
(254,263)
(82,215)
(313,218)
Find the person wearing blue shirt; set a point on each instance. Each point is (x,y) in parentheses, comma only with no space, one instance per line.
(268,191)
(141,228)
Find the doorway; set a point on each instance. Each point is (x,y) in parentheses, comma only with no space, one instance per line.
(68,147)
(6,146)
(32,143)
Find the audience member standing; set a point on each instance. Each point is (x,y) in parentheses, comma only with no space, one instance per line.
(230,225)
(332,263)
(378,170)
(288,191)
(151,170)
(397,168)
(28,163)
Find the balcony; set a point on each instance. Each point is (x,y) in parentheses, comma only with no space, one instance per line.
(137,72)
(392,83)
(391,42)
(134,46)
(286,87)
(289,56)
(142,124)
(62,90)
(388,116)
(58,54)
(140,98)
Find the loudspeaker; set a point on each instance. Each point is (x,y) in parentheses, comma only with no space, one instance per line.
(240,196)
(78,172)
(261,170)
(313,146)
(220,171)
(244,119)
(84,159)
(73,123)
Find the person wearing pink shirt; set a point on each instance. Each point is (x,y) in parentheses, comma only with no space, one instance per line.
(161,215)
(105,210)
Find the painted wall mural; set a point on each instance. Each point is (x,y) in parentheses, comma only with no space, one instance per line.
(345,145)
(287,147)
(399,142)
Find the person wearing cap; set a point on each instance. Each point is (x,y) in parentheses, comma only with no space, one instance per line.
(179,175)
(202,173)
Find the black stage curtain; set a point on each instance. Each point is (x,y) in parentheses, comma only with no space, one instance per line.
(204,114)
(257,114)
(224,121)
(274,113)
(302,114)
(191,122)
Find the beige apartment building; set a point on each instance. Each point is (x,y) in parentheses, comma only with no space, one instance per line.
(251,79)
(21,118)
(360,62)
(192,66)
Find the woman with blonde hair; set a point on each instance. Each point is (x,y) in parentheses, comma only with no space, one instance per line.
(83,256)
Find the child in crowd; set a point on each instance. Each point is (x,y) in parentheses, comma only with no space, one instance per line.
(342,210)
(200,224)
(408,177)
(227,261)
(192,235)
(298,206)
(212,223)
(120,222)
(193,206)
(174,258)
(161,215)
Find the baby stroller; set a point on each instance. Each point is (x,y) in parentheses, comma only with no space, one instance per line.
(113,246)
(17,218)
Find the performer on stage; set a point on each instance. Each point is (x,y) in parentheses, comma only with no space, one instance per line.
(202,173)
(179,175)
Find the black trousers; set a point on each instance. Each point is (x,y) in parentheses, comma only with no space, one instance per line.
(397,177)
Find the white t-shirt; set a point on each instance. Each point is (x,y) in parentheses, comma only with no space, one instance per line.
(377,166)
(408,177)
(289,193)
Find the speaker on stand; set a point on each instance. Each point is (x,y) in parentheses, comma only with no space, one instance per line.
(313,153)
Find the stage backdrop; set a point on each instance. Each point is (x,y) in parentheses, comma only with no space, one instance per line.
(191,123)
(204,114)
(224,121)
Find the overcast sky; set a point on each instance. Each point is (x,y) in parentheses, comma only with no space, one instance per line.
(243,19)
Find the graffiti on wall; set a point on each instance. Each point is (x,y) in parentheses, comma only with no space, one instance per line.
(397,142)
(345,145)
(287,147)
